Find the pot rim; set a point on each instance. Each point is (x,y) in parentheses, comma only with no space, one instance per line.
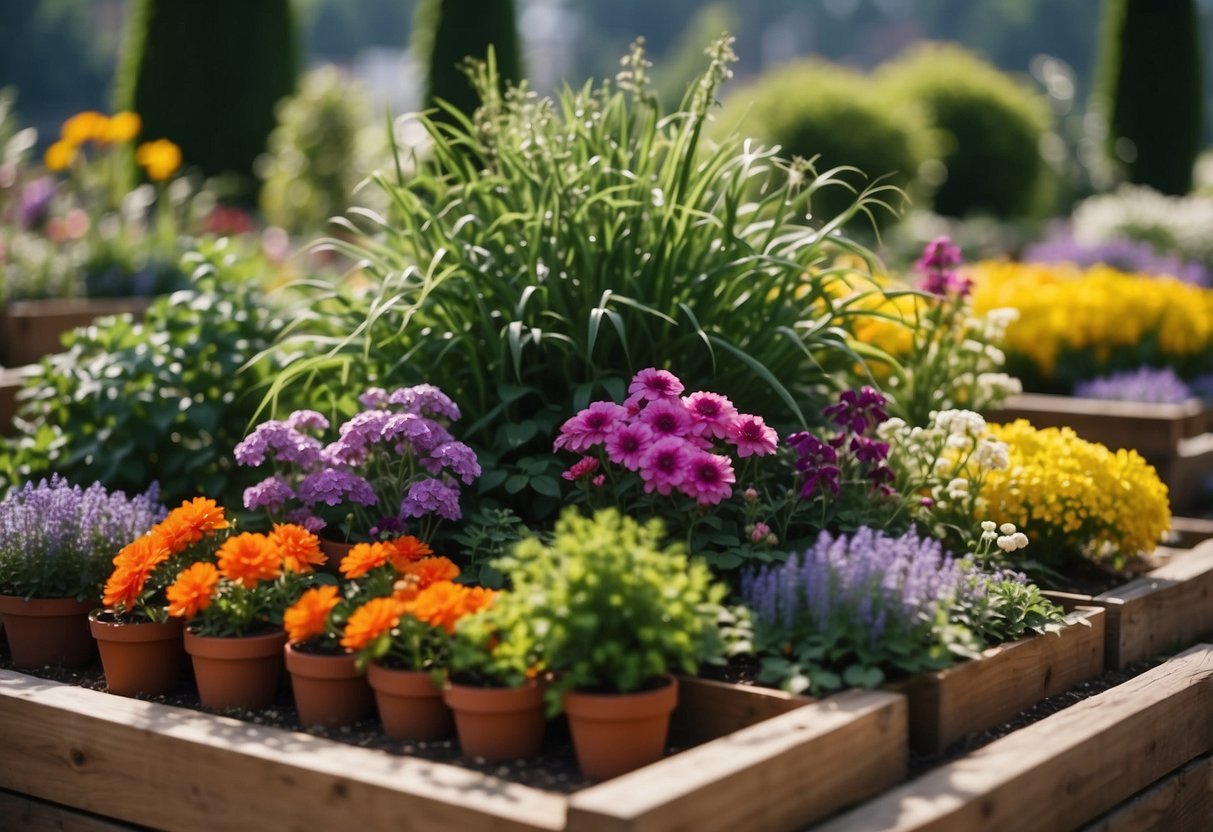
(493,700)
(134,630)
(610,706)
(320,665)
(44,607)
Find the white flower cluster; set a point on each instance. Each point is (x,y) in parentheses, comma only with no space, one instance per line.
(1006,537)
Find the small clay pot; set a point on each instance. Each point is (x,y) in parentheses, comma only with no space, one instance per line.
(617,733)
(334,551)
(410,704)
(47,631)
(497,723)
(143,657)
(241,672)
(328,690)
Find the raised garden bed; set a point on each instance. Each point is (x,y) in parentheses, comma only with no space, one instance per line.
(30,329)
(1166,609)
(1067,769)
(10,383)
(176,769)
(1183,800)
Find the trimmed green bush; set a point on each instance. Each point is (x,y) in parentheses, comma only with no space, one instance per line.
(448,31)
(813,109)
(990,127)
(207,76)
(1149,89)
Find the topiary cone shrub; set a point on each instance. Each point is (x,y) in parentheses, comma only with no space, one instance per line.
(448,31)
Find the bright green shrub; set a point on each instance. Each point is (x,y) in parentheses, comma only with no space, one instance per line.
(448,31)
(989,127)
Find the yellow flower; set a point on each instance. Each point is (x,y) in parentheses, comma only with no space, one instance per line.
(160,158)
(122,127)
(60,155)
(85,127)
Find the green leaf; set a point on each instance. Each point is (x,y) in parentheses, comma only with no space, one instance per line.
(548,486)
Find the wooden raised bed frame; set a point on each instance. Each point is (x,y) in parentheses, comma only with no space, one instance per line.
(30,329)
(131,761)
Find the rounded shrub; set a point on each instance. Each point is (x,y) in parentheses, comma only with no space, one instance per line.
(990,127)
(817,110)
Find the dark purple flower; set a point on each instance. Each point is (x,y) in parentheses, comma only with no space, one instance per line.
(858,410)
(34,204)
(817,461)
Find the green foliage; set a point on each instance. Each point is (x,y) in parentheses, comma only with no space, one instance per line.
(838,119)
(1149,90)
(613,609)
(989,125)
(484,537)
(207,76)
(129,403)
(549,249)
(446,32)
(1008,610)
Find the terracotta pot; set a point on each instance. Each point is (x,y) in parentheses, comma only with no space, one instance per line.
(241,672)
(617,733)
(334,550)
(328,690)
(497,723)
(47,631)
(144,657)
(410,704)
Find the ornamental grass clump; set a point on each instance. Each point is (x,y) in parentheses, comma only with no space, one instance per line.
(58,540)
(1075,499)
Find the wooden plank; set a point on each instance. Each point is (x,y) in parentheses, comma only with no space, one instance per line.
(709,709)
(18,812)
(1067,769)
(1187,532)
(34,328)
(1184,800)
(948,705)
(785,772)
(176,769)
(1187,472)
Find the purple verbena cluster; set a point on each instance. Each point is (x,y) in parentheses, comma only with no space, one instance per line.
(937,265)
(1126,255)
(853,449)
(392,461)
(674,442)
(867,581)
(1145,384)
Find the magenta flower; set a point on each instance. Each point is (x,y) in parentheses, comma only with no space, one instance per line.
(581,468)
(709,478)
(590,427)
(667,417)
(751,436)
(652,385)
(711,414)
(628,443)
(663,467)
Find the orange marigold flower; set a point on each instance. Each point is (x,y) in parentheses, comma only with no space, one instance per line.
(84,127)
(300,548)
(406,588)
(431,570)
(193,590)
(442,604)
(132,566)
(160,158)
(407,549)
(364,557)
(308,617)
(248,559)
(121,127)
(189,522)
(370,621)
(59,156)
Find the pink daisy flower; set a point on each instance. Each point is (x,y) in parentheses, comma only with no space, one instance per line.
(628,443)
(652,385)
(581,468)
(663,465)
(666,417)
(751,436)
(711,414)
(709,478)
(590,427)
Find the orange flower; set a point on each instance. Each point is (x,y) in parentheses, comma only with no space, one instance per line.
(59,156)
(160,158)
(407,549)
(370,621)
(364,557)
(249,558)
(186,524)
(406,588)
(431,570)
(84,127)
(132,566)
(308,617)
(193,590)
(442,604)
(121,127)
(300,548)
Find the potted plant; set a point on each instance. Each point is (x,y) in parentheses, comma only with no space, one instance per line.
(233,608)
(141,647)
(403,642)
(56,544)
(616,612)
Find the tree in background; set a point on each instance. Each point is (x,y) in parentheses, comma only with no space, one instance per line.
(1149,89)
(207,76)
(447,31)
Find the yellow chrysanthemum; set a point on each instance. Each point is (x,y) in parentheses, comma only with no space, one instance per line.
(159,158)
(84,127)
(60,155)
(121,127)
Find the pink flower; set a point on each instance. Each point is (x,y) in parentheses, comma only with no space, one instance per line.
(590,427)
(667,417)
(581,468)
(750,435)
(598,480)
(663,465)
(759,532)
(652,385)
(711,414)
(709,478)
(626,445)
